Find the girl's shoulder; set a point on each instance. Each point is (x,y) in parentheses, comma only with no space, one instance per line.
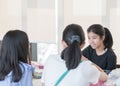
(54,58)
(111,53)
(25,66)
(89,48)
(85,62)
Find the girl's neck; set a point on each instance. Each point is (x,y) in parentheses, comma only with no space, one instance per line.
(101,50)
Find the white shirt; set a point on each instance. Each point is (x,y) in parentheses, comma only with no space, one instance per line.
(83,75)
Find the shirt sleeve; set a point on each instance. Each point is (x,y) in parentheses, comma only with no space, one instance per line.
(27,76)
(43,76)
(111,61)
(45,68)
(91,73)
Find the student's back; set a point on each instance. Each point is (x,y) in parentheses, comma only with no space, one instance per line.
(80,76)
(14,60)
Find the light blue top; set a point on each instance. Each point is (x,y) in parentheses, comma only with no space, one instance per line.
(26,79)
(118,82)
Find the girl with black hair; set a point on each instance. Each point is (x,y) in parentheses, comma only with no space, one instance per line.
(15,68)
(100,49)
(71,68)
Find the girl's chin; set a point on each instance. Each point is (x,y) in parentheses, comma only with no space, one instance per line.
(93,47)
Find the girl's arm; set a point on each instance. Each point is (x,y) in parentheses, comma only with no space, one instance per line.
(103,75)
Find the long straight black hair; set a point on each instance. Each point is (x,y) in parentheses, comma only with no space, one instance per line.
(73,36)
(102,31)
(14,49)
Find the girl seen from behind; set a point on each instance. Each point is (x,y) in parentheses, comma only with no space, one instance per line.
(71,68)
(15,68)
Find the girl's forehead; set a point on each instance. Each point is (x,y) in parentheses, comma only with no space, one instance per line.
(92,33)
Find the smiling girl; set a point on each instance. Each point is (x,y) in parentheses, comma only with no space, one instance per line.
(100,50)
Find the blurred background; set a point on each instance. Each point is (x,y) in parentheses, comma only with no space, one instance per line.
(44,21)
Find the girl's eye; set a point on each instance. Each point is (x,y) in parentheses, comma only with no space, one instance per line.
(94,38)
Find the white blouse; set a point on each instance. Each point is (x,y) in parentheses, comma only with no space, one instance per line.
(83,75)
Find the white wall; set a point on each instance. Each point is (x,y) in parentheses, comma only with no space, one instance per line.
(41,25)
(10,18)
(36,17)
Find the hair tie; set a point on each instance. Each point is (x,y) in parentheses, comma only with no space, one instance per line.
(75,38)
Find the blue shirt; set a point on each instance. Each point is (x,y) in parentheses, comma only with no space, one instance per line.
(26,79)
(118,82)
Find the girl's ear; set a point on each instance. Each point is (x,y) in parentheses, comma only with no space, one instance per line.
(64,44)
(103,38)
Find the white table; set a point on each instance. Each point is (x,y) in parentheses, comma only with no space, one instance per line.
(36,82)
